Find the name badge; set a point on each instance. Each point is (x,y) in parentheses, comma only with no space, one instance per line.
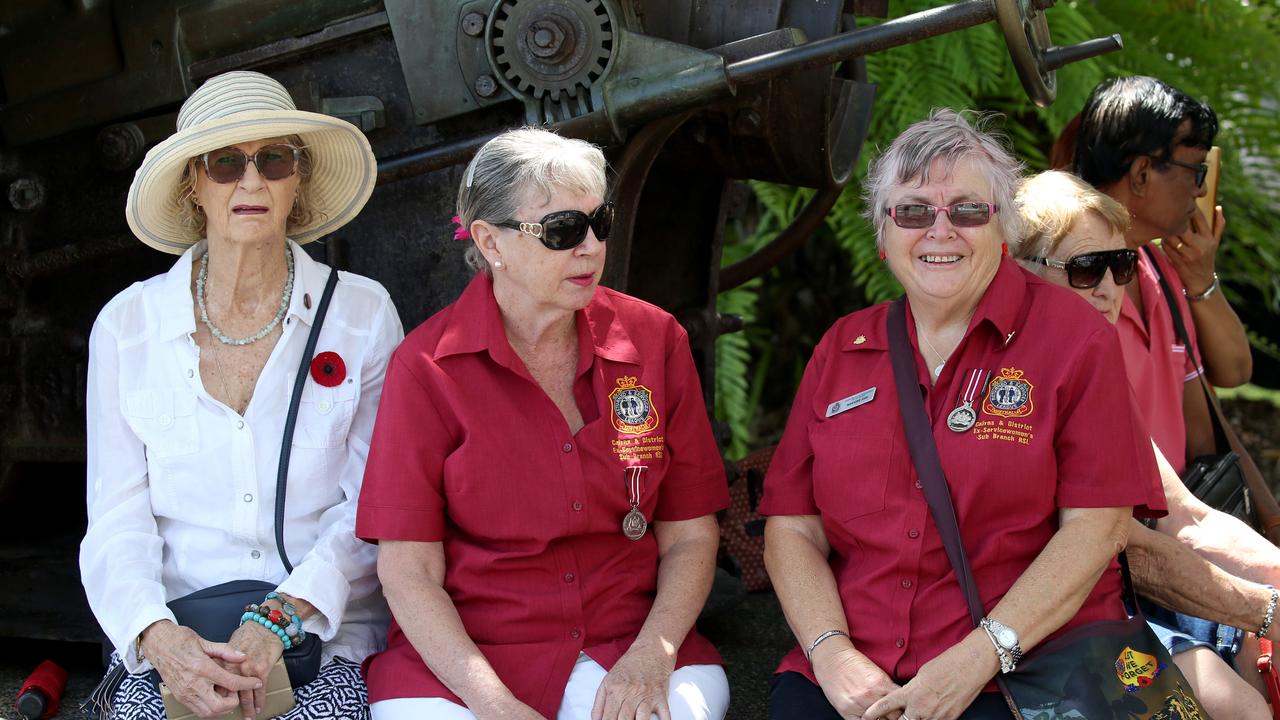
(851,402)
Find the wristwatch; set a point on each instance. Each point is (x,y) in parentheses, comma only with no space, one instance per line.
(1006,642)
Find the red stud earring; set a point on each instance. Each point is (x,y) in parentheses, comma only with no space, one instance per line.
(1004,249)
(882,254)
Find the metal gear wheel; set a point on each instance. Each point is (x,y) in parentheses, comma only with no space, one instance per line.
(549,53)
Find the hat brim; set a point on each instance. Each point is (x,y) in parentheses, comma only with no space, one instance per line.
(343,173)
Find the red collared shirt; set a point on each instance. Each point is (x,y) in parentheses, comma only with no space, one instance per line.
(469,451)
(1155,358)
(1056,430)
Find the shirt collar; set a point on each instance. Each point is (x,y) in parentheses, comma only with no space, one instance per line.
(177,304)
(475,325)
(999,306)
(309,278)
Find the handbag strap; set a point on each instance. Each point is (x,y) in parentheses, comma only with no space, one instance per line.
(1260,500)
(924,456)
(1179,325)
(291,420)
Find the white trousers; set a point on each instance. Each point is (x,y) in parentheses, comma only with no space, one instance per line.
(698,692)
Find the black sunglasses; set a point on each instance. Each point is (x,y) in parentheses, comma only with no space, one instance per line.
(566,229)
(274,162)
(1086,270)
(1200,169)
(914,216)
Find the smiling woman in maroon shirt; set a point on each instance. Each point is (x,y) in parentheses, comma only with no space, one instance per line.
(1034,429)
(542,477)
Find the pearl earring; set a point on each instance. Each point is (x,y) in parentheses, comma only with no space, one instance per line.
(497,265)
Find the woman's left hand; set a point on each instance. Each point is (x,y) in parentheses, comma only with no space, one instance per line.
(945,686)
(262,648)
(636,687)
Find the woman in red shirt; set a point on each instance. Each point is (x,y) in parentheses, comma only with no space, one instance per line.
(543,478)
(1035,431)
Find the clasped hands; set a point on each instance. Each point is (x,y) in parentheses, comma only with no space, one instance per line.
(212,678)
(942,689)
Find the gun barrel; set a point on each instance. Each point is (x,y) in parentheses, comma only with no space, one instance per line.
(826,51)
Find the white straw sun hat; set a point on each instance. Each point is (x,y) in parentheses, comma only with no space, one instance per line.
(243,106)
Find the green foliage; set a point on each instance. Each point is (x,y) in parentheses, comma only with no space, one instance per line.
(1223,51)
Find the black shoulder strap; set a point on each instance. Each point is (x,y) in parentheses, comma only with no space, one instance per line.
(286,446)
(1219,435)
(924,455)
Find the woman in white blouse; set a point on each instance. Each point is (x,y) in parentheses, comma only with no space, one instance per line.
(190,380)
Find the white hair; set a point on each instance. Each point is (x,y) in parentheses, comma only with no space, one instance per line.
(948,136)
(509,169)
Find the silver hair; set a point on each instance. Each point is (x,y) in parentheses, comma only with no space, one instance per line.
(508,170)
(948,136)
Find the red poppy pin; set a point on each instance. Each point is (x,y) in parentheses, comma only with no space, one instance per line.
(328,370)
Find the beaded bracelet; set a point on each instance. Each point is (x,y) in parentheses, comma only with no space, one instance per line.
(1271,612)
(250,616)
(294,628)
(291,625)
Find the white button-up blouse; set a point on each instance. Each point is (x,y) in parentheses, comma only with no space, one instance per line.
(182,489)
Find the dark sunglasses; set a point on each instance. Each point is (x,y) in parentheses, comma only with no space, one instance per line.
(566,229)
(1200,169)
(274,162)
(914,216)
(1086,270)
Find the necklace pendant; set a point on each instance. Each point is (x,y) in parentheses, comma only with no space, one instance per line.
(937,371)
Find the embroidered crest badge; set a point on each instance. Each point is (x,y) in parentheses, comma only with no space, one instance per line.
(1137,669)
(632,405)
(1009,396)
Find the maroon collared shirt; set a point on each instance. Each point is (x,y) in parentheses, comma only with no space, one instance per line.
(1055,429)
(469,451)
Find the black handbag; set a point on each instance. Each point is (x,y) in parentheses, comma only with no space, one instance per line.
(1111,669)
(214,612)
(1229,481)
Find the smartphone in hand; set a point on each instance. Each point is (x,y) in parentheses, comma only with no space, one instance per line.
(1210,199)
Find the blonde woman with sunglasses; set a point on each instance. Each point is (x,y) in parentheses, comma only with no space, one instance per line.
(1196,560)
(191,378)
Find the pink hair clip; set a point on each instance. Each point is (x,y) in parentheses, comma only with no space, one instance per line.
(460,232)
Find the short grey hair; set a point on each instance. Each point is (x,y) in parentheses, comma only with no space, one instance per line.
(509,169)
(949,136)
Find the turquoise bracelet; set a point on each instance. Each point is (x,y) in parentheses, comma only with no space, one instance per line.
(264,622)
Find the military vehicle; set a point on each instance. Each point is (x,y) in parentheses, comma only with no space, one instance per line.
(687,96)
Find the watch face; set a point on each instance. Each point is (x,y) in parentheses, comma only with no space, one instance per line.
(1007,637)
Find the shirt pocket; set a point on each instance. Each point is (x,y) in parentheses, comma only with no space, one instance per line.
(165,421)
(324,414)
(850,470)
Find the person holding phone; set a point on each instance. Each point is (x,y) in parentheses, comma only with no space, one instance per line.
(1144,143)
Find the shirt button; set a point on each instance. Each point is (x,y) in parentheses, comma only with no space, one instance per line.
(191,373)
(165,421)
(906,583)
(324,406)
(568,447)
(568,577)
(913,533)
(239,424)
(248,497)
(900,642)
(918,485)
(577,506)
(575,634)
(255,554)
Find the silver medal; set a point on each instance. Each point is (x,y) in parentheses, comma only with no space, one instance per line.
(634,524)
(962,418)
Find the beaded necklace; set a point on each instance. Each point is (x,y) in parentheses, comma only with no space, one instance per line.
(223,337)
